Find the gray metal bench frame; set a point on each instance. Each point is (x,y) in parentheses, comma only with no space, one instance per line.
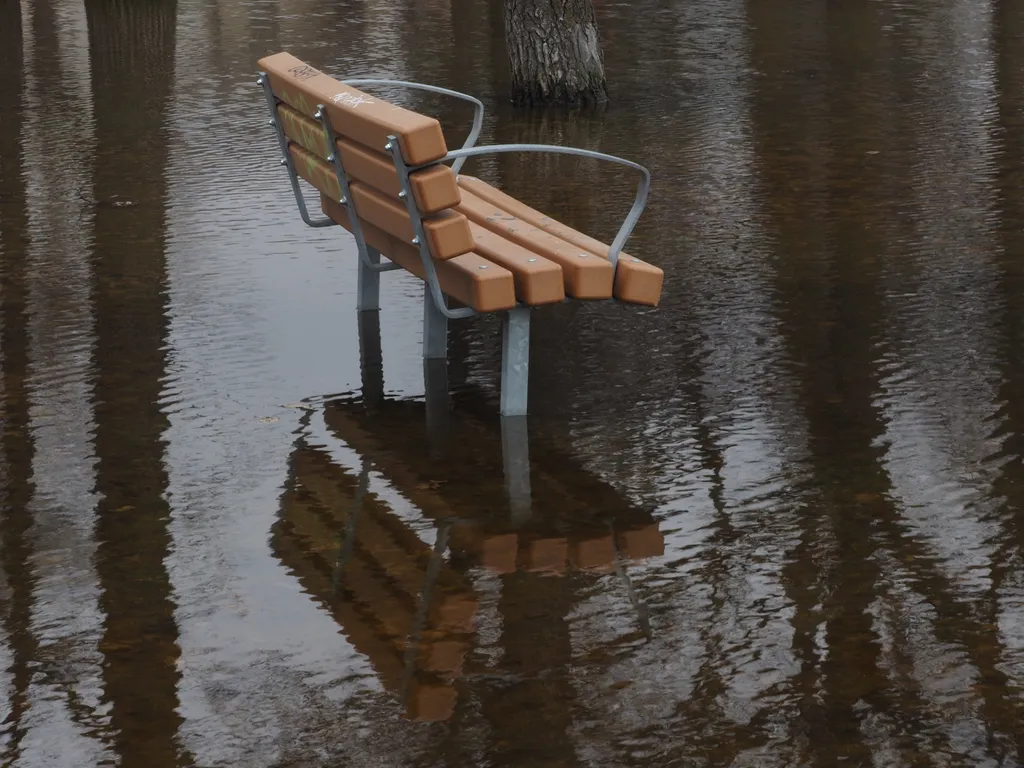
(515,344)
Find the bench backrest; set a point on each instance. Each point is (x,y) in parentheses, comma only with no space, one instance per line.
(362,125)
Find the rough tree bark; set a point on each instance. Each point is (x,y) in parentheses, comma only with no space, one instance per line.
(555,52)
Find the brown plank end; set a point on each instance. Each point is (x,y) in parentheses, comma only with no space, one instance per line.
(642,543)
(538,280)
(638,282)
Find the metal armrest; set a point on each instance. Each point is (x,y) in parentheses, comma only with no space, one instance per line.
(639,203)
(478,116)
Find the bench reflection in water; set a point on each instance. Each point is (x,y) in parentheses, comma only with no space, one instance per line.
(399,580)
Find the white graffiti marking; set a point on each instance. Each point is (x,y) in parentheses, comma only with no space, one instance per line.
(350,99)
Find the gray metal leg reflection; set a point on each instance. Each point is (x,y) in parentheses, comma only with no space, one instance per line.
(515,454)
(369,282)
(348,539)
(642,615)
(515,362)
(435,329)
(423,608)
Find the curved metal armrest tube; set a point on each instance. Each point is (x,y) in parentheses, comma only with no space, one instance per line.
(478,115)
(639,203)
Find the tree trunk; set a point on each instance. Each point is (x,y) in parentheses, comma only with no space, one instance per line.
(554,52)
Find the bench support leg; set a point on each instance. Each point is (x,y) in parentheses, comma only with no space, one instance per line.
(371,366)
(435,381)
(515,454)
(435,329)
(515,362)
(368,296)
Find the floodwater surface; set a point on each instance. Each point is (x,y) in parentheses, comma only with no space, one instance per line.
(777,521)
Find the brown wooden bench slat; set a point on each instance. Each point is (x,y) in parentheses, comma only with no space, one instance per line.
(447,232)
(353,113)
(636,281)
(520,210)
(538,280)
(304,131)
(585,275)
(485,290)
(317,172)
(434,188)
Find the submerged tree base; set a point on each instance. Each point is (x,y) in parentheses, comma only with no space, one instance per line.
(555,53)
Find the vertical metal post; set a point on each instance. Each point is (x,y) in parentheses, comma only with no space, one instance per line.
(420,239)
(435,328)
(515,361)
(515,455)
(368,290)
(355,223)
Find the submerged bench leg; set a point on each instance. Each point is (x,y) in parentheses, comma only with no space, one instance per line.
(371,365)
(435,380)
(515,362)
(515,454)
(435,328)
(368,296)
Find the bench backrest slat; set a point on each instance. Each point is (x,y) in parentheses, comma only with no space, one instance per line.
(359,116)
(464,278)
(434,188)
(448,233)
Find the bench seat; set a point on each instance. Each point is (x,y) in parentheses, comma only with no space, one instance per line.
(636,281)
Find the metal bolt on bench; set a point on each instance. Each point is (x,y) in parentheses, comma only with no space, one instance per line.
(436,311)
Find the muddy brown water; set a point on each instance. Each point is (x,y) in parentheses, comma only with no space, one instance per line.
(777,521)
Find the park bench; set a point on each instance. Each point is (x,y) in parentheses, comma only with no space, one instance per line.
(410,611)
(382,173)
